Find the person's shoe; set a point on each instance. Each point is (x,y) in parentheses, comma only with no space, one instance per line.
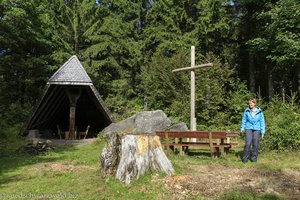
(253,160)
(244,161)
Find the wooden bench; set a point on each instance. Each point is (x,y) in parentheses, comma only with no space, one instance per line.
(218,141)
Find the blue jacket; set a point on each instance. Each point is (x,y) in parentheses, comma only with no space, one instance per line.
(254,123)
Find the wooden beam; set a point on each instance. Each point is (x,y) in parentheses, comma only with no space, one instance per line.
(73,94)
(50,106)
(196,134)
(40,108)
(195,67)
(193,121)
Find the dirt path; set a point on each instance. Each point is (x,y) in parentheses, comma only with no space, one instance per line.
(213,180)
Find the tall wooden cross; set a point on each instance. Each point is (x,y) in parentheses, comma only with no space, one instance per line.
(192,68)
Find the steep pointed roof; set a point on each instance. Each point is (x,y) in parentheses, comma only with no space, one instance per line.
(53,108)
(71,73)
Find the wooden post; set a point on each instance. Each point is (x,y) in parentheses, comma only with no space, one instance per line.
(72,120)
(211,145)
(167,141)
(192,123)
(73,94)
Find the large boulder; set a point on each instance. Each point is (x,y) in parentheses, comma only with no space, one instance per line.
(146,122)
(132,147)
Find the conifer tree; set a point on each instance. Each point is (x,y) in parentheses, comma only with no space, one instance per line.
(25,45)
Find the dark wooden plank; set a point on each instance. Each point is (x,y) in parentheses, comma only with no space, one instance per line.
(197,144)
(232,134)
(192,134)
(196,134)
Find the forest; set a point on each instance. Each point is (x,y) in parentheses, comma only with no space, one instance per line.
(129,49)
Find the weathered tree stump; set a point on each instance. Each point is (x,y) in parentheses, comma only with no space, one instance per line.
(139,154)
(133,148)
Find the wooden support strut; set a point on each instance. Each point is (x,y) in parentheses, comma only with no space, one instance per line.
(167,140)
(73,94)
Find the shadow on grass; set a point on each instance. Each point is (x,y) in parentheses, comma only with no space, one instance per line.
(239,154)
(206,153)
(199,154)
(13,161)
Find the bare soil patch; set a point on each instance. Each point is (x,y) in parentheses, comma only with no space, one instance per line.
(214,180)
(74,142)
(61,167)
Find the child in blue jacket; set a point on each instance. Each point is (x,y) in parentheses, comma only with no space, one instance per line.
(253,122)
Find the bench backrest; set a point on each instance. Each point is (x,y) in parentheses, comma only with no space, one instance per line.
(195,134)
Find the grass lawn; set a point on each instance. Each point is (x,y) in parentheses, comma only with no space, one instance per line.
(73,172)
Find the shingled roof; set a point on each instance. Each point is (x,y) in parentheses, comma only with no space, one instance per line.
(71,73)
(53,107)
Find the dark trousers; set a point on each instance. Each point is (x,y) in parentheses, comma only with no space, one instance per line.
(252,138)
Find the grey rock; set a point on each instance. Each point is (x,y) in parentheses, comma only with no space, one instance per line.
(146,122)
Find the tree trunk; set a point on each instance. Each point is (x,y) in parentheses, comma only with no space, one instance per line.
(298,79)
(251,73)
(270,82)
(130,156)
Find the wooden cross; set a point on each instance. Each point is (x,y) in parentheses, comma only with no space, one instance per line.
(192,68)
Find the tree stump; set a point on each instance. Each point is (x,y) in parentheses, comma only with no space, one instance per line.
(135,155)
(133,148)
(139,154)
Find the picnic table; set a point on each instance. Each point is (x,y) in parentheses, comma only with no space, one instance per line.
(217,141)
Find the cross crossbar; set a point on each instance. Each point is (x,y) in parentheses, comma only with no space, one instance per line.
(191,68)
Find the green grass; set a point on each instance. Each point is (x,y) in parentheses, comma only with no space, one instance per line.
(25,174)
(274,161)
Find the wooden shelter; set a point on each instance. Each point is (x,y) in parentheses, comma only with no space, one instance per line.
(70,102)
